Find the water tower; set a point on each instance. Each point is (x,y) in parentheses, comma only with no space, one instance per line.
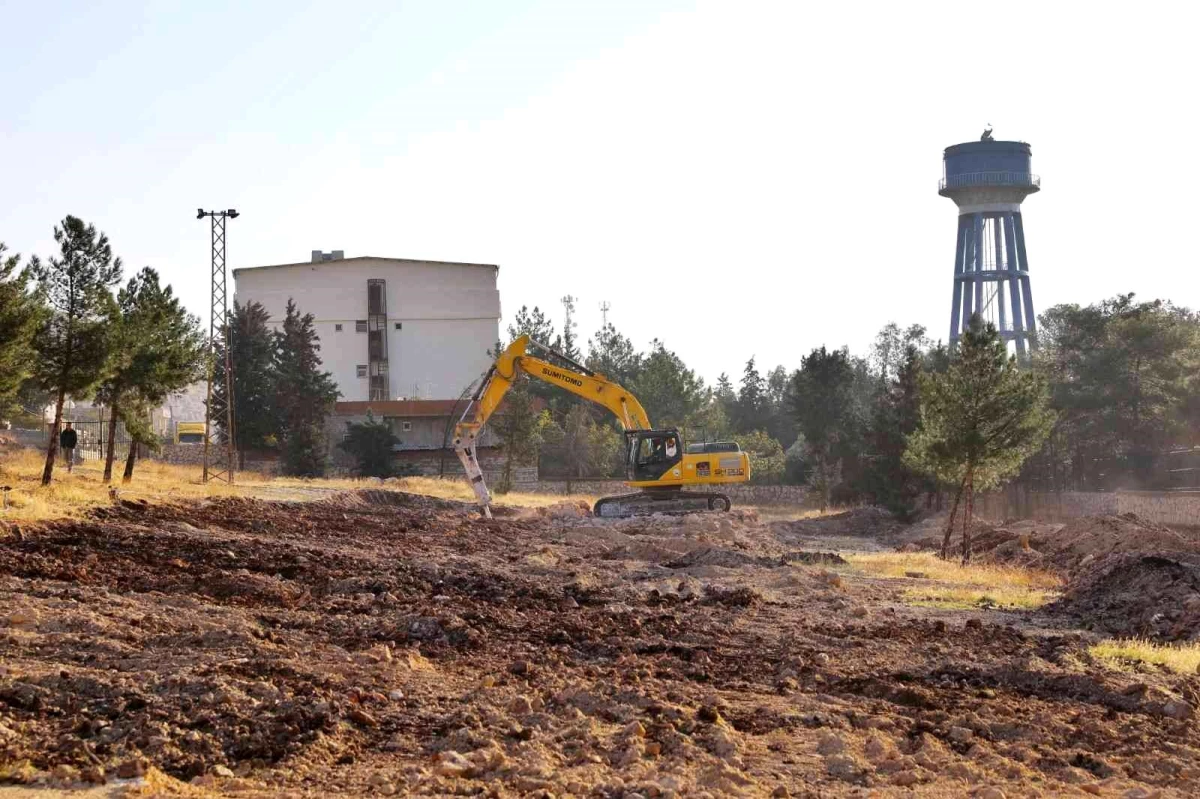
(987,180)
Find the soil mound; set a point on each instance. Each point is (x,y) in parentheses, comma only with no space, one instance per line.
(1094,538)
(1061,547)
(1150,595)
(859,522)
(718,556)
(562,511)
(377,497)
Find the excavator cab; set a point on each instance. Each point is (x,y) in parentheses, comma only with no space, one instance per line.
(652,453)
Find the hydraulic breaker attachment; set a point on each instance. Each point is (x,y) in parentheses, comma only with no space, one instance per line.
(470,463)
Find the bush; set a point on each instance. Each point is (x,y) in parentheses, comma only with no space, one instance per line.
(371,444)
(304,453)
(767,459)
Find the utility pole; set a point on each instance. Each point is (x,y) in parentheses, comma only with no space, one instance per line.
(605,307)
(218,461)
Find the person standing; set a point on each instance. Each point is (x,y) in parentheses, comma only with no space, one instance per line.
(67,440)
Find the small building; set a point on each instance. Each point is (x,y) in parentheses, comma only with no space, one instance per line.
(390,328)
(403,338)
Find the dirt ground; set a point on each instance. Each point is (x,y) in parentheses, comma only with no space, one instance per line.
(1126,576)
(380,643)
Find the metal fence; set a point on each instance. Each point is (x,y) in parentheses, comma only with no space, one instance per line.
(996,178)
(92,440)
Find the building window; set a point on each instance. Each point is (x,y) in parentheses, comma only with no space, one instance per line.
(379,368)
(361,370)
(406,427)
(337,328)
(399,326)
(360,326)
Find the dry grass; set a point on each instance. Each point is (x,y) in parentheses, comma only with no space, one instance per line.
(955,598)
(1180,658)
(792,513)
(929,565)
(966,587)
(72,494)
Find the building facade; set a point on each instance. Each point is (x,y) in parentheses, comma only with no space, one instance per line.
(390,328)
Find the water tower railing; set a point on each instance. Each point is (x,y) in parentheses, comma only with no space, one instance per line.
(969,179)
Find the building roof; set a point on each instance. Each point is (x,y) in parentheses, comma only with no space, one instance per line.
(362,258)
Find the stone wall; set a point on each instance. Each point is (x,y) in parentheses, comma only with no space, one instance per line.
(193,455)
(744,494)
(180,454)
(1174,508)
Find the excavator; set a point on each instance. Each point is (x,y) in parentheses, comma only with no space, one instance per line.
(656,460)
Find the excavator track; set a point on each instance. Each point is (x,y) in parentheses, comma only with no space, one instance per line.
(673,503)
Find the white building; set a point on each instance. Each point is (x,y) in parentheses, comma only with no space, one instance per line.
(390,328)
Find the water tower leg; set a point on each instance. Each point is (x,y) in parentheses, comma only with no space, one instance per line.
(968,265)
(1030,320)
(1014,287)
(955,304)
(998,245)
(979,251)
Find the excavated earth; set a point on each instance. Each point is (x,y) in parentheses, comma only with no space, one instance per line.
(1125,576)
(379,643)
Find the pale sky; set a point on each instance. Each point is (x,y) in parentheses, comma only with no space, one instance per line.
(736,179)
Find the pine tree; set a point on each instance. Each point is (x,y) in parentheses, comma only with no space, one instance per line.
(781,425)
(541,330)
(135,414)
(613,355)
(73,344)
(533,324)
(21,314)
(751,408)
(821,399)
(1123,374)
(725,397)
(158,349)
(255,409)
(891,482)
(710,422)
(980,421)
(670,392)
(305,394)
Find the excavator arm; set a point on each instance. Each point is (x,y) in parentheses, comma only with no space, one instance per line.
(561,372)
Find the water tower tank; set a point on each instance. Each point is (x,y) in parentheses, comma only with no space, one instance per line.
(988,180)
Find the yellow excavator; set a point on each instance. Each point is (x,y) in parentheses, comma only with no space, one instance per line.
(656,461)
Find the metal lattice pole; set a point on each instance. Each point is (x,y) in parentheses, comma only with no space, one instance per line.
(219,461)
